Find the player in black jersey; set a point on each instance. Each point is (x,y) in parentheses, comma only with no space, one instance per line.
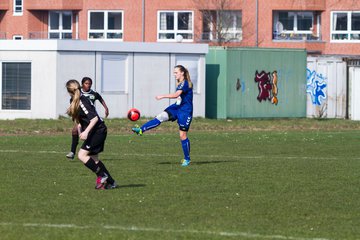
(93,131)
(86,90)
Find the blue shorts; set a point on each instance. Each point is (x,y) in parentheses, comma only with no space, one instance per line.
(183,118)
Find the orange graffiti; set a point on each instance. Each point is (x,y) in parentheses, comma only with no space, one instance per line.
(274,99)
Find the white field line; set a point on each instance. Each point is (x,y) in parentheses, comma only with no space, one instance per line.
(139,229)
(194,155)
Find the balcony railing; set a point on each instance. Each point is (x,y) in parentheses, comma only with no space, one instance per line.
(54,4)
(38,35)
(52,35)
(295,37)
(225,37)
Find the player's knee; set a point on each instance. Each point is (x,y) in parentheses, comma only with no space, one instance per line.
(82,155)
(163,117)
(183,135)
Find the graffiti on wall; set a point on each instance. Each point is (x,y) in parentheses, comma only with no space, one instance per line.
(315,85)
(267,85)
(240,85)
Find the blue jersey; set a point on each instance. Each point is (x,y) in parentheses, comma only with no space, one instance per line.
(182,110)
(186,97)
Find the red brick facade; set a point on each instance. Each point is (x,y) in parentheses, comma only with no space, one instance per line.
(257,20)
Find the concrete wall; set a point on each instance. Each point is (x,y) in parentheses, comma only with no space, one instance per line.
(148,71)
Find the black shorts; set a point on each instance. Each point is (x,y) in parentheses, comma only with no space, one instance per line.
(95,141)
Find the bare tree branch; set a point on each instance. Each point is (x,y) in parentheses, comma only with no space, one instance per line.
(217,18)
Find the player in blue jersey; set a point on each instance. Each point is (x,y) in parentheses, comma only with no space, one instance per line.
(93,131)
(86,90)
(182,110)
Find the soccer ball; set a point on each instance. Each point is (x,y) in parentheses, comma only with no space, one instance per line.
(133,114)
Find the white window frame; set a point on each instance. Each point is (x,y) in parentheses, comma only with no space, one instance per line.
(295,30)
(232,31)
(176,32)
(213,36)
(18,8)
(347,32)
(105,31)
(60,31)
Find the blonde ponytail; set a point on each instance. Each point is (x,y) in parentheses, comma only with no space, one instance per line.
(73,88)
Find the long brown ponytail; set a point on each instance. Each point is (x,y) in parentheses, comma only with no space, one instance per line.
(73,88)
(186,74)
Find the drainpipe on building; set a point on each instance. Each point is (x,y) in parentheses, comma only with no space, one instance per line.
(256,23)
(143,21)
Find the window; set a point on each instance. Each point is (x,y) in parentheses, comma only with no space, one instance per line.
(174,23)
(296,25)
(222,26)
(60,25)
(114,73)
(345,26)
(16,86)
(18,7)
(105,25)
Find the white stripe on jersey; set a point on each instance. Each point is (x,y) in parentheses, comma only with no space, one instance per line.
(83,108)
(181,85)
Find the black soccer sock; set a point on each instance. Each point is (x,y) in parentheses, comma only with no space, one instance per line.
(94,167)
(103,168)
(74,143)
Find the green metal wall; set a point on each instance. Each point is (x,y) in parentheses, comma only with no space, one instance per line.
(231,90)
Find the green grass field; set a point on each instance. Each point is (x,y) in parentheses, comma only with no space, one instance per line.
(296,179)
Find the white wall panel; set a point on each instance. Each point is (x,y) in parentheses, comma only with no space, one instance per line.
(354,99)
(328,80)
(152,76)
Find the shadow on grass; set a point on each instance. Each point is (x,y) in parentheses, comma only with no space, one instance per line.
(195,163)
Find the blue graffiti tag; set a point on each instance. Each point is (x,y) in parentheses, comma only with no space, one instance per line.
(315,83)
(243,86)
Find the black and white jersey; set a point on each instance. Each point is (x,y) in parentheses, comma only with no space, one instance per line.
(88,112)
(92,95)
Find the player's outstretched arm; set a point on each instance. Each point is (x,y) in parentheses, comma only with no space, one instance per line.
(171,95)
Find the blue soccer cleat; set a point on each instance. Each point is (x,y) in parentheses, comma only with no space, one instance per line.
(137,130)
(185,163)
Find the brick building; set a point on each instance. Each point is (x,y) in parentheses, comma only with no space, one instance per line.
(324,27)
